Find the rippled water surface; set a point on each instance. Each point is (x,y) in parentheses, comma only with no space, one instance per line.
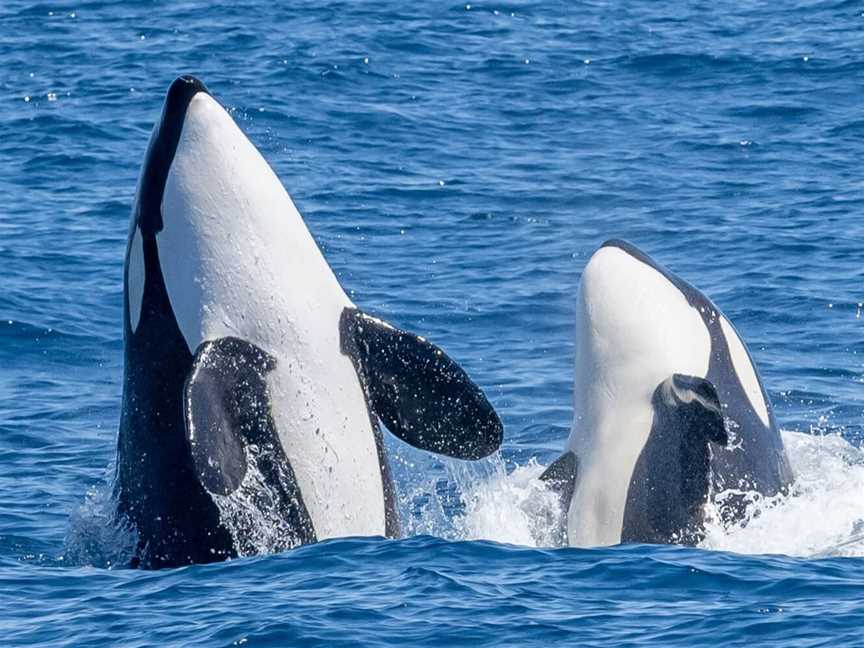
(457,163)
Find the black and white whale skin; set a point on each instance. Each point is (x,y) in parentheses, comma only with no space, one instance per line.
(253,386)
(668,407)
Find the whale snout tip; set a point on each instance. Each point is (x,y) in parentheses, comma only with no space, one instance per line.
(609,260)
(624,246)
(189,83)
(182,90)
(190,79)
(616,276)
(614,257)
(615,242)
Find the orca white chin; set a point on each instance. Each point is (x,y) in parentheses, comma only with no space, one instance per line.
(657,368)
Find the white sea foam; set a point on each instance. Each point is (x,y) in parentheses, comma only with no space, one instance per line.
(514,507)
(254,513)
(822,516)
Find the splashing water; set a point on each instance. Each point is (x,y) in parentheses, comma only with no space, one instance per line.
(515,508)
(821,516)
(95,536)
(253,514)
(485,501)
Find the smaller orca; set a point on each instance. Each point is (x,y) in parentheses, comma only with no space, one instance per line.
(253,387)
(668,408)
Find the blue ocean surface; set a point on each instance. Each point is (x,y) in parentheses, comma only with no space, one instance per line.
(457,162)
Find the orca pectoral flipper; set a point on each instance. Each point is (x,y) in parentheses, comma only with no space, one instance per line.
(670,482)
(230,429)
(696,405)
(418,392)
(560,477)
(226,407)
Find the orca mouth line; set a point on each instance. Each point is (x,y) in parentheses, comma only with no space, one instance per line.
(160,153)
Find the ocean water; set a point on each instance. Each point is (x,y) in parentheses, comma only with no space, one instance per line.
(457,163)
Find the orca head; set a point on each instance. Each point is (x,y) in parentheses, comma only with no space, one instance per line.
(635,328)
(226,238)
(144,289)
(636,325)
(663,326)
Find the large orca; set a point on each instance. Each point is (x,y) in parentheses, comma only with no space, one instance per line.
(668,408)
(253,386)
